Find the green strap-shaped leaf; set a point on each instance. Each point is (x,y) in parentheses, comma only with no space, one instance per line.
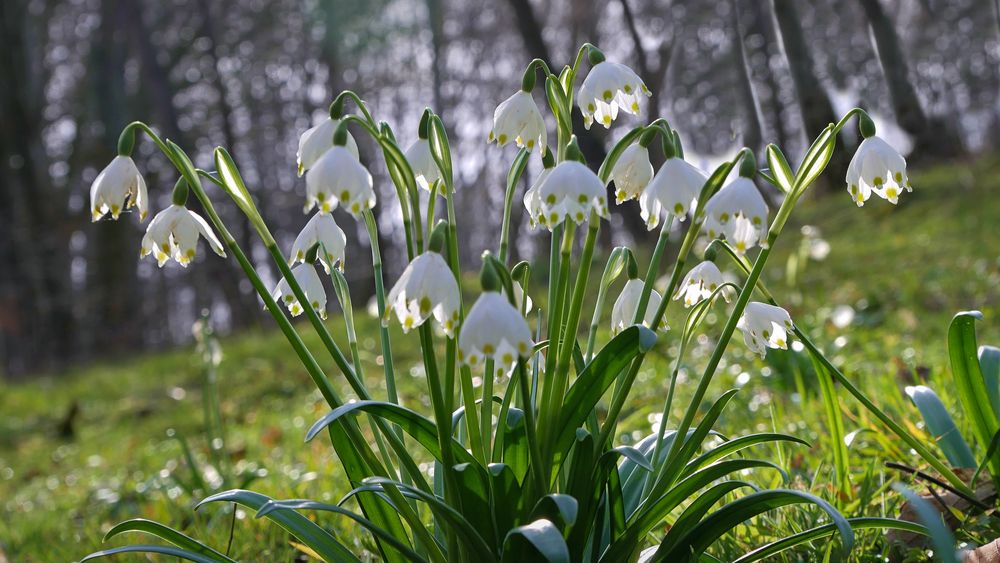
(159,549)
(736,444)
(969,380)
(827,530)
(989,364)
(308,532)
(543,536)
(697,510)
(941,536)
(506,496)
(941,426)
(722,521)
(380,533)
(558,508)
(474,490)
(595,379)
(165,533)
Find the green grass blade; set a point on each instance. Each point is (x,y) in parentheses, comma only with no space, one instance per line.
(732,446)
(697,510)
(159,549)
(941,426)
(165,533)
(969,380)
(989,364)
(827,530)
(309,533)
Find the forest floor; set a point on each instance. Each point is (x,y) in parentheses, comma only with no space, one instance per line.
(882,299)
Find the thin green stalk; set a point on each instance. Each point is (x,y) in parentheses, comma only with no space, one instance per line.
(390,375)
(442,417)
(555,323)
(539,475)
(486,404)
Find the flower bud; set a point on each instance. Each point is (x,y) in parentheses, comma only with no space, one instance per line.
(748,165)
(126,141)
(489,278)
(866,126)
(180,194)
(438,237)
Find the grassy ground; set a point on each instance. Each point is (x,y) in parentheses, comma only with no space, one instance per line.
(901,272)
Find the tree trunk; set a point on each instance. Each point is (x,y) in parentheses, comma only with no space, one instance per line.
(932,137)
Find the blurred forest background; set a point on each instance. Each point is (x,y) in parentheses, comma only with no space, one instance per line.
(253,74)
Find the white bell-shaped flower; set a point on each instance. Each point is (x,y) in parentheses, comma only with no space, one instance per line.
(608,88)
(627,304)
(765,326)
(738,198)
(338,178)
(119,186)
(673,189)
(877,167)
(422,162)
(517,119)
(744,235)
(631,173)
(494,329)
(571,191)
(533,199)
(317,140)
(700,283)
(322,229)
(173,233)
(426,287)
(312,286)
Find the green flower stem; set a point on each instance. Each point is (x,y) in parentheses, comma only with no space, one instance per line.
(358,102)
(390,376)
(537,463)
(431,203)
(595,321)
(652,271)
(547,410)
(569,330)
(442,417)
(486,404)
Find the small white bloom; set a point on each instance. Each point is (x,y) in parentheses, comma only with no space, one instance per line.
(700,283)
(422,162)
(571,191)
(426,287)
(517,119)
(877,167)
(765,326)
(631,173)
(522,300)
(532,199)
(624,310)
(610,87)
(338,178)
(317,140)
(119,186)
(494,329)
(738,198)
(674,188)
(744,235)
(322,229)
(173,233)
(312,286)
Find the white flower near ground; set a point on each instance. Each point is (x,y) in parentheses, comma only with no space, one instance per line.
(517,119)
(422,162)
(700,283)
(673,189)
(765,326)
(627,304)
(631,173)
(118,187)
(426,287)
(494,329)
(312,286)
(173,233)
(322,229)
(339,179)
(571,191)
(736,199)
(317,140)
(876,167)
(608,88)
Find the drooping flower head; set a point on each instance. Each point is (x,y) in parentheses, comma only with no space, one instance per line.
(422,161)
(426,287)
(323,230)
(876,167)
(631,173)
(517,119)
(494,329)
(737,199)
(673,190)
(311,284)
(700,283)
(608,88)
(570,191)
(627,304)
(173,233)
(338,178)
(765,326)
(118,187)
(317,140)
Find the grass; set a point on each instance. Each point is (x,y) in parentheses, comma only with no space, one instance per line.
(900,272)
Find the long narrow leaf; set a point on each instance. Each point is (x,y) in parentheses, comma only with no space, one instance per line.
(827,530)
(159,549)
(543,536)
(941,425)
(969,379)
(165,533)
